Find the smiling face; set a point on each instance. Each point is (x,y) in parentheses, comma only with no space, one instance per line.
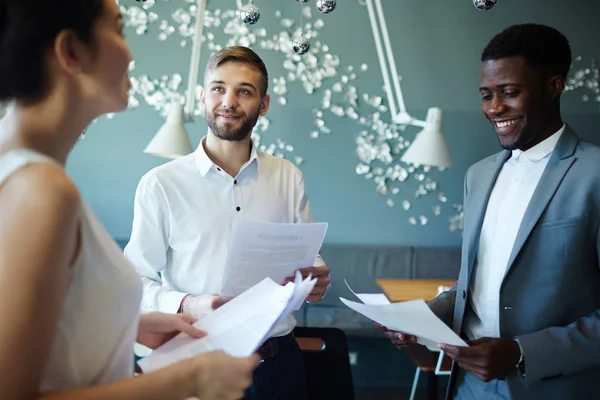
(518,101)
(232,100)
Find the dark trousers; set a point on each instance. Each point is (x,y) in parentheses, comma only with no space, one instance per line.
(281,377)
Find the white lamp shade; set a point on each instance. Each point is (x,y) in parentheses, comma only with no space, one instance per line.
(172,140)
(429,147)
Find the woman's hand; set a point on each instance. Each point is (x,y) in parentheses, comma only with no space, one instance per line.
(157,328)
(220,376)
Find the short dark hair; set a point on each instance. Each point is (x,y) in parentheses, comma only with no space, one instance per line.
(541,46)
(243,55)
(28,29)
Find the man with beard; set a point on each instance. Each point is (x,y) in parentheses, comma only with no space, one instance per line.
(184,211)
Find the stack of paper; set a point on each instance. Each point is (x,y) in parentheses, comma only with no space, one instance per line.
(240,326)
(410,317)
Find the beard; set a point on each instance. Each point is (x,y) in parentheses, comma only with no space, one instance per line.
(226,131)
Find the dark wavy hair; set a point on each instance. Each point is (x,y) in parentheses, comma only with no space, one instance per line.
(543,48)
(28,29)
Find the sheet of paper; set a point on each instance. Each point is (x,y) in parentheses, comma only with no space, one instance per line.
(239,327)
(381,299)
(369,298)
(373,299)
(258,250)
(302,289)
(411,317)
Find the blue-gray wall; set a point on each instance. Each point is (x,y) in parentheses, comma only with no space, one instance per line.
(437,45)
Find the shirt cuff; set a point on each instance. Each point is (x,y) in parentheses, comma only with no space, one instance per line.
(519,372)
(171,301)
(200,305)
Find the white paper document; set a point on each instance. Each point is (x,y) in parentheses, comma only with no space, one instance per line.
(259,250)
(372,299)
(410,317)
(238,327)
(378,299)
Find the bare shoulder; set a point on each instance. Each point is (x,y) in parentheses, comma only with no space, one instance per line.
(44,186)
(40,205)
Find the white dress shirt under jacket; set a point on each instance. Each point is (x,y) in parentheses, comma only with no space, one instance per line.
(183,214)
(508,202)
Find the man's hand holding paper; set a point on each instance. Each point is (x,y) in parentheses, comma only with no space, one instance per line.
(398,339)
(405,319)
(320,272)
(487,358)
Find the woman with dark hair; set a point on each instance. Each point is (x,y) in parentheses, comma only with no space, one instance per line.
(68,298)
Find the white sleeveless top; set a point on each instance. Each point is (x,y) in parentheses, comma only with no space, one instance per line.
(99,321)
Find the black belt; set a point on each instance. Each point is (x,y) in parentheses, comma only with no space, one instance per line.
(274,346)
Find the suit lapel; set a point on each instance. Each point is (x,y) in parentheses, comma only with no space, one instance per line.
(559,163)
(480,194)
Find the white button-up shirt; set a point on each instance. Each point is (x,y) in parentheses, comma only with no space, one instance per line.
(183,215)
(508,202)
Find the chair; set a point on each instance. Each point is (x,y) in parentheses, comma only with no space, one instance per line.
(430,360)
(328,371)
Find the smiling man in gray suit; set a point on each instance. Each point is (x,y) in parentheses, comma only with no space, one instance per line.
(528,294)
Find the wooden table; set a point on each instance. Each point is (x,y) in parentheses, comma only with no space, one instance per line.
(411,289)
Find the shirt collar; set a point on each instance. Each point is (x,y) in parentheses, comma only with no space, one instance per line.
(205,164)
(540,150)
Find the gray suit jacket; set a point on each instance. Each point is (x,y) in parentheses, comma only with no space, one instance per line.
(550,295)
